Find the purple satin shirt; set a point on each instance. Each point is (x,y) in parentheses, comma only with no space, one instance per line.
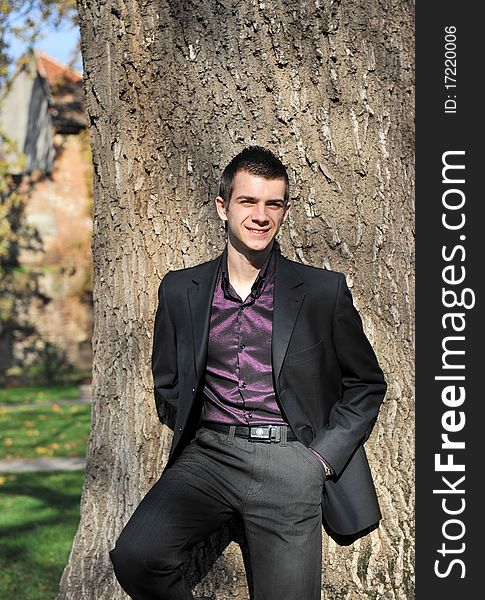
(239,386)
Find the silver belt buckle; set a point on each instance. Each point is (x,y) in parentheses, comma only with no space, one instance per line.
(266,433)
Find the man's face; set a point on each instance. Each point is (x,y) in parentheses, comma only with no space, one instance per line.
(254,213)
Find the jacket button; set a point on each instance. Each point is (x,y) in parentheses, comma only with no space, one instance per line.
(193,390)
(180,428)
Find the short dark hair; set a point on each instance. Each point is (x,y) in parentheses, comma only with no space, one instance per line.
(257,161)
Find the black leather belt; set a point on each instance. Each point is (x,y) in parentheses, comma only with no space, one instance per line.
(255,433)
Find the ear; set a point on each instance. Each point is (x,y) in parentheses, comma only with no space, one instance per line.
(221,208)
(287,210)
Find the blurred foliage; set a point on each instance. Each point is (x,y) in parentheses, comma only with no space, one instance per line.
(25,19)
(17,284)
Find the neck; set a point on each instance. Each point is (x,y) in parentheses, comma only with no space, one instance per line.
(243,267)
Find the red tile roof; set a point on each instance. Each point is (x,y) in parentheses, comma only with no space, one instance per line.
(54,71)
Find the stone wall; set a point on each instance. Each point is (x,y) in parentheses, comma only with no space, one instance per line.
(59,209)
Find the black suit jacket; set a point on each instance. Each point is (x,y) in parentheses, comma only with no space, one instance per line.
(327,379)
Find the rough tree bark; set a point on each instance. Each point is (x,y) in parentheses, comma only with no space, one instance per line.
(174,88)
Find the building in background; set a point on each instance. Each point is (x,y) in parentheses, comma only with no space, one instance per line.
(42,114)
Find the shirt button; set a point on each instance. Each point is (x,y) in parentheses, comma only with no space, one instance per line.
(243,384)
(242,346)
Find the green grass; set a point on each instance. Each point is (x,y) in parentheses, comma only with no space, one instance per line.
(32,432)
(33,395)
(39,514)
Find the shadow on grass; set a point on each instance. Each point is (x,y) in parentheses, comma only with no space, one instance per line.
(39,514)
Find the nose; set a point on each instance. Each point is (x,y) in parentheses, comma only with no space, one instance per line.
(260,213)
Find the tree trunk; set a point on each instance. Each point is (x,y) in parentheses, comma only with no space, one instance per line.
(173,91)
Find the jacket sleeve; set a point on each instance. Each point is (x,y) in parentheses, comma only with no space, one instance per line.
(353,415)
(164,353)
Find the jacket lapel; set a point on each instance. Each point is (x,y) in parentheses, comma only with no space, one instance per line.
(288,298)
(200,303)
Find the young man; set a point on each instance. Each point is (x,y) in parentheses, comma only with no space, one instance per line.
(276,390)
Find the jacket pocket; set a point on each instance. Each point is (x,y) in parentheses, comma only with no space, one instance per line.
(305,354)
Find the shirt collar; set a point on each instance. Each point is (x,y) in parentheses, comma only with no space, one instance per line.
(265,274)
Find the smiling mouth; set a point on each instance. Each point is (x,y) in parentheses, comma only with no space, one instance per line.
(258,231)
